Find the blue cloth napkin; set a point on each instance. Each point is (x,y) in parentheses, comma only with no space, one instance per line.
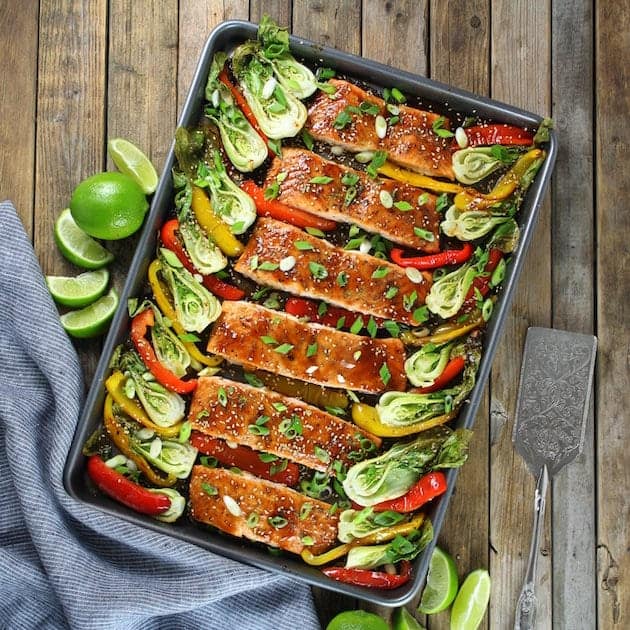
(64,564)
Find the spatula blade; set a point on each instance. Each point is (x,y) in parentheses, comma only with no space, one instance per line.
(553,398)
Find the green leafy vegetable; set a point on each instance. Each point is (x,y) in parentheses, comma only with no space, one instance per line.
(425,365)
(470,225)
(475,163)
(448,294)
(355,524)
(171,456)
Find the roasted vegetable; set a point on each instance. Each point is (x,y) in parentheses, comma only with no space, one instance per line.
(474,164)
(425,365)
(471,224)
(428,487)
(432,261)
(370,579)
(355,524)
(448,294)
(172,457)
(178,504)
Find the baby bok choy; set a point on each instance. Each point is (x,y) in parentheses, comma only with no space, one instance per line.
(195,306)
(469,225)
(425,365)
(448,294)
(170,456)
(278,112)
(243,145)
(355,524)
(393,473)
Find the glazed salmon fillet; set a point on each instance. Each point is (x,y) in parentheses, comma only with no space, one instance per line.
(256,337)
(355,281)
(260,510)
(416,225)
(276,424)
(410,143)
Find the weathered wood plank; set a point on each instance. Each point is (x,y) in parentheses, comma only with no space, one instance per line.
(573,514)
(278,10)
(520,58)
(196,19)
(460,40)
(18,86)
(613,282)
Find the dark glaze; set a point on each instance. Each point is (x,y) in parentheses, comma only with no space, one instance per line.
(266,499)
(273,240)
(366,210)
(244,404)
(411,142)
(237,333)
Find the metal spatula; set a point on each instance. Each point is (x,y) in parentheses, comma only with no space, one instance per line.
(551,412)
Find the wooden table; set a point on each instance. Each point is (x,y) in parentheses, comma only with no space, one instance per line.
(76,72)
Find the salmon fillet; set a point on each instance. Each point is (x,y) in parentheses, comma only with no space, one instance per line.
(366,210)
(260,338)
(267,512)
(411,142)
(276,424)
(370,285)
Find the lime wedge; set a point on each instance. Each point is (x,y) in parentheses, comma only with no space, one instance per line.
(404,620)
(93,319)
(471,601)
(75,245)
(441,586)
(131,161)
(79,291)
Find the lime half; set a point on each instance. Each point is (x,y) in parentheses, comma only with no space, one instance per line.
(441,586)
(357,620)
(404,620)
(79,291)
(92,320)
(75,245)
(131,161)
(471,601)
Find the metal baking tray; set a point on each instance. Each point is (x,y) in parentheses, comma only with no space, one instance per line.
(226,37)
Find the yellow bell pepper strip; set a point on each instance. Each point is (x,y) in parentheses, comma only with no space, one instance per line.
(470,199)
(216,229)
(366,417)
(164,304)
(379,536)
(420,181)
(445,333)
(120,437)
(115,388)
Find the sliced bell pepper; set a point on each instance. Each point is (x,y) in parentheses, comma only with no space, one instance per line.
(280,211)
(433,261)
(481,284)
(369,578)
(429,486)
(121,438)
(140,325)
(366,417)
(125,491)
(486,135)
(164,304)
(245,458)
(453,369)
(168,235)
(444,333)
(302,307)
(379,536)
(115,387)
(470,199)
(419,181)
(216,229)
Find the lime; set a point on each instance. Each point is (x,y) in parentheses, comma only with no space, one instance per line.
(357,620)
(108,206)
(441,586)
(79,291)
(471,601)
(93,319)
(404,620)
(79,248)
(131,161)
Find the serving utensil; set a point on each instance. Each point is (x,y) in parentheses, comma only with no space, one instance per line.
(551,412)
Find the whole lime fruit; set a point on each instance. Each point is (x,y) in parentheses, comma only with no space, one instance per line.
(109,206)
(357,620)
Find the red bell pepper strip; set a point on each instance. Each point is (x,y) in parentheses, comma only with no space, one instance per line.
(433,261)
(428,487)
(243,105)
(482,283)
(244,458)
(139,328)
(301,307)
(485,135)
(369,578)
(221,289)
(125,491)
(453,368)
(280,211)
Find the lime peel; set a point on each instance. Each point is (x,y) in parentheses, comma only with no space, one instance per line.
(471,602)
(78,291)
(441,587)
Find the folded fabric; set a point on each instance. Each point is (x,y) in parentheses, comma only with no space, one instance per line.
(62,563)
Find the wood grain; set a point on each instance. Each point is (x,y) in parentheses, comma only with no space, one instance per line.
(573,513)
(613,282)
(520,58)
(18,89)
(278,10)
